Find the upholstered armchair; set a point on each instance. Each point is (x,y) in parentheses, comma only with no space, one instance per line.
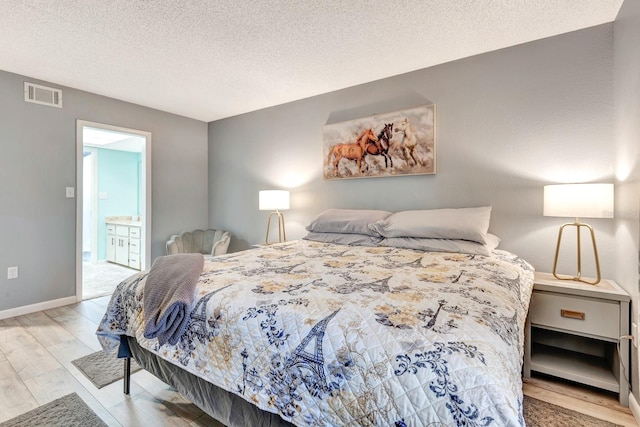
(207,242)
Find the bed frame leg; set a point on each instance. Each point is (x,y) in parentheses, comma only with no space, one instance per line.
(127,375)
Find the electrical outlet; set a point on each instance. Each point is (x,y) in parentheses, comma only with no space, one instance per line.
(12,273)
(634,333)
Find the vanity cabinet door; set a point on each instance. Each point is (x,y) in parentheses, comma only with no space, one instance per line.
(122,250)
(111,243)
(122,244)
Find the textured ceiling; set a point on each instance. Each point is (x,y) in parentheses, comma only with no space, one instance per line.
(210,59)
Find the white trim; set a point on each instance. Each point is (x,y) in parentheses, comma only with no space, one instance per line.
(96,197)
(33,308)
(79,208)
(94,204)
(145,258)
(635,407)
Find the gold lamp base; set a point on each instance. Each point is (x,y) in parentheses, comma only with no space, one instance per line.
(578,276)
(282,237)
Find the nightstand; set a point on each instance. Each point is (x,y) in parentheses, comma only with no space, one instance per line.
(572,332)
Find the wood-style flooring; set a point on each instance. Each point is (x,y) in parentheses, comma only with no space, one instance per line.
(36,351)
(586,400)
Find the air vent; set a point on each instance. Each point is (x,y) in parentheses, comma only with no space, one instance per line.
(42,95)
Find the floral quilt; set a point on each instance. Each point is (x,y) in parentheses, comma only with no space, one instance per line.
(332,335)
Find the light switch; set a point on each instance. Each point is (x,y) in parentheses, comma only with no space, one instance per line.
(71,192)
(103,195)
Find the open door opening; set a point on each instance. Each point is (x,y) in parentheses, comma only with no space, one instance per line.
(113,206)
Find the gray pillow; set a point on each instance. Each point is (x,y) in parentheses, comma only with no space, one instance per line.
(352,221)
(443,245)
(458,224)
(343,238)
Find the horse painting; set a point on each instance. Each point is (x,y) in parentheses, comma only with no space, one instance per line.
(404,138)
(381,147)
(407,146)
(353,151)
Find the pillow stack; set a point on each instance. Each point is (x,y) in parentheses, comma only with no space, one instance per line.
(346,227)
(446,230)
(463,230)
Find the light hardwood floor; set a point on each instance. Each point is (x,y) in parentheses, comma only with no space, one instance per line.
(598,404)
(36,351)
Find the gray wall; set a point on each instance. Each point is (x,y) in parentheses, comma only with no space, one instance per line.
(37,162)
(508,122)
(627,143)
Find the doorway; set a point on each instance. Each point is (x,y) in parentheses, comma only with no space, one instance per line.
(113,206)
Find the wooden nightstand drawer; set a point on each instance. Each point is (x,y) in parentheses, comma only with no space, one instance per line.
(570,313)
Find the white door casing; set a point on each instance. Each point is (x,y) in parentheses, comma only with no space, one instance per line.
(145,213)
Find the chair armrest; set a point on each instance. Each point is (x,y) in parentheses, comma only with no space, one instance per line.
(172,246)
(222,245)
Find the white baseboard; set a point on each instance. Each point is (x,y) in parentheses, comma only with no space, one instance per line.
(635,407)
(46,305)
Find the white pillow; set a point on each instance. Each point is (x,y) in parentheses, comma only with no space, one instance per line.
(443,245)
(458,224)
(352,221)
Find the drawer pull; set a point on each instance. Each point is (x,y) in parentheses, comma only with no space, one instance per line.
(572,314)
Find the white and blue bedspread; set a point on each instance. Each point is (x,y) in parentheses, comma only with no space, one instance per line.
(331,335)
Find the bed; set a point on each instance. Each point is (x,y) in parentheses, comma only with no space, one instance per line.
(327,333)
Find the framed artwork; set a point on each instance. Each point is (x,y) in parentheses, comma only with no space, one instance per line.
(392,144)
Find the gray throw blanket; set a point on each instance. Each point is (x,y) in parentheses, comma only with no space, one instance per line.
(168,296)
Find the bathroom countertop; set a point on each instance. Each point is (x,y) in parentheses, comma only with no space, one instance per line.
(131,221)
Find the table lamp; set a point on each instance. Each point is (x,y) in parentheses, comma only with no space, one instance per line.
(578,200)
(275,201)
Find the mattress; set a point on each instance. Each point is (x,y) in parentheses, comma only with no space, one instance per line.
(323,334)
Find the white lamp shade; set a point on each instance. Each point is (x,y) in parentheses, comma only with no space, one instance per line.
(273,200)
(579,200)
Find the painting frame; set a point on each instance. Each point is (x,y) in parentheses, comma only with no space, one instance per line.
(398,143)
